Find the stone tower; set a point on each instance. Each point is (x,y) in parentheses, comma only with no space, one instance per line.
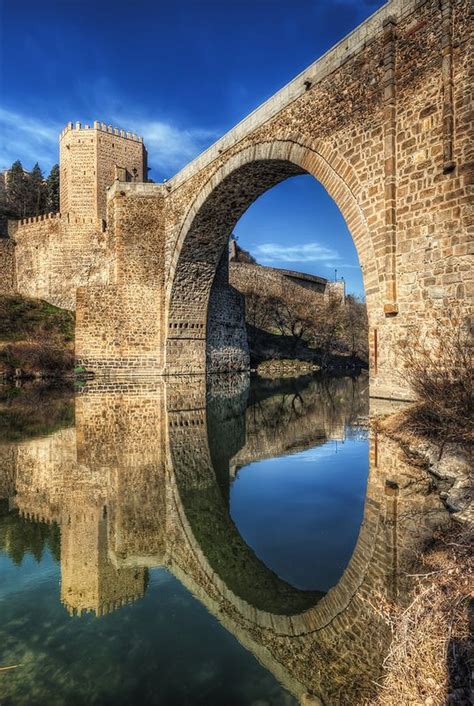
(91,159)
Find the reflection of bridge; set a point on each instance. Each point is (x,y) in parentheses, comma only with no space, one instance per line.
(143,481)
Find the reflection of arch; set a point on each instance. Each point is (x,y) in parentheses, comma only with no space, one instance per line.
(317,614)
(215,546)
(203,516)
(213,214)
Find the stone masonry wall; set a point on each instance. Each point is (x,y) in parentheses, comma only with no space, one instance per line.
(268,282)
(7,266)
(227,346)
(118,329)
(55,254)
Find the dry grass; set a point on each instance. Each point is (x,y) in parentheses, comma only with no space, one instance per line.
(439,369)
(431,659)
(36,338)
(44,356)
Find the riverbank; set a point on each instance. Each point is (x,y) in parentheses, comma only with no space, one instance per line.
(36,339)
(276,350)
(431,658)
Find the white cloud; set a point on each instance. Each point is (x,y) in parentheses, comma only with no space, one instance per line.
(28,139)
(306,252)
(33,140)
(169,147)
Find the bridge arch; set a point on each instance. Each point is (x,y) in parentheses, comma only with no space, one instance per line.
(209,222)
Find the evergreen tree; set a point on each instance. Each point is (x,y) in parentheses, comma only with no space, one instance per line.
(17,191)
(52,187)
(37,192)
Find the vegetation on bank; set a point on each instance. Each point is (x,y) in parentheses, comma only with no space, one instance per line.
(431,656)
(439,370)
(329,333)
(34,409)
(36,338)
(321,329)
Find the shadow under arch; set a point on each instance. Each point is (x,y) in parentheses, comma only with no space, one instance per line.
(207,226)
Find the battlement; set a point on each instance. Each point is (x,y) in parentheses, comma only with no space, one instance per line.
(102,608)
(118,132)
(70,218)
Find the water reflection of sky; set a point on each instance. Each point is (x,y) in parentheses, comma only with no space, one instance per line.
(301,514)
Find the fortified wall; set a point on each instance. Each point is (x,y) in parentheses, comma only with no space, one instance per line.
(249,277)
(283,284)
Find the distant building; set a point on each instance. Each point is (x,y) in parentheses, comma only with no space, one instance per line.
(245,275)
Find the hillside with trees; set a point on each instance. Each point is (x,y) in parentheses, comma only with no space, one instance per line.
(290,321)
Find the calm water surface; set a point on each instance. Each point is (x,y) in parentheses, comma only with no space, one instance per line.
(169,543)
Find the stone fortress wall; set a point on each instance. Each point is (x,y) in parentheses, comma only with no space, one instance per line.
(282,284)
(250,277)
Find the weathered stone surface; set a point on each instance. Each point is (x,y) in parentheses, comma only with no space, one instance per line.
(384,121)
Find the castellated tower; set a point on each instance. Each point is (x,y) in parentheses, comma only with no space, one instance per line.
(91,159)
(50,256)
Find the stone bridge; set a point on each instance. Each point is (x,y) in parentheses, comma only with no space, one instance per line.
(142,481)
(384,122)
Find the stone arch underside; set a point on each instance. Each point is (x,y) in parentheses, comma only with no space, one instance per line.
(208,224)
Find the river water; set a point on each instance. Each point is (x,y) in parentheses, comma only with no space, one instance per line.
(187,542)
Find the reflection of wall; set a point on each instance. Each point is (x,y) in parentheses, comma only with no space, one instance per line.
(130,485)
(299,417)
(51,485)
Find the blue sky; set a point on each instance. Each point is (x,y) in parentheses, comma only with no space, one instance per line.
(180,74)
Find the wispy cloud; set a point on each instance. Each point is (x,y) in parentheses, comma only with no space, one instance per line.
(28,139)
(31,140)
(169,147)
(268,253)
